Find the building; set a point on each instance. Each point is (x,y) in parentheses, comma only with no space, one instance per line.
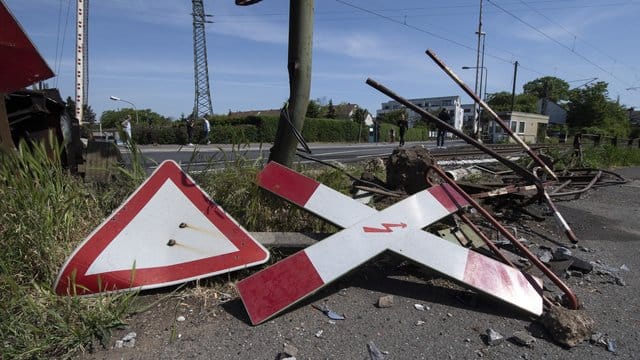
(451,103)
(529,127)
(557,114)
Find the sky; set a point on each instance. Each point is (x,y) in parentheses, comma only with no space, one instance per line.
(142,50)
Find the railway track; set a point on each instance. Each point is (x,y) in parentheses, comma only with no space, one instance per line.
(468,151)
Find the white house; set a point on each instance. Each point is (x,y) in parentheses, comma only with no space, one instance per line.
(451,103)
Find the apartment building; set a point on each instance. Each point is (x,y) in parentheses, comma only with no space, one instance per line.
(433,104)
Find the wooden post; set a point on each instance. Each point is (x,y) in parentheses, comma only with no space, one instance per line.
(299,65)
(6,142)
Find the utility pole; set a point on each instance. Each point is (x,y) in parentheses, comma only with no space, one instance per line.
(476,107)
(202,100)
(299,66)
(82,63)
(513,90)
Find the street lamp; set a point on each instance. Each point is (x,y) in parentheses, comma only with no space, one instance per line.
(483,93)
(483,73)
(115,98)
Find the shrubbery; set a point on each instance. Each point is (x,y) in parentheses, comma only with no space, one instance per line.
(256,129)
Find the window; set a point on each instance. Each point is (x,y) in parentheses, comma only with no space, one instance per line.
(521,127)
(447,102)
(467,110)
(513,125)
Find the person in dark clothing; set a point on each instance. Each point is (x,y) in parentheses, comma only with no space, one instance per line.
(403,124)
(444,116)
(190,125)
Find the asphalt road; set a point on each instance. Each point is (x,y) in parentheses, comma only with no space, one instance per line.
(202,157)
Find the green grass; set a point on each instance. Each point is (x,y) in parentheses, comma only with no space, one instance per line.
(45,213)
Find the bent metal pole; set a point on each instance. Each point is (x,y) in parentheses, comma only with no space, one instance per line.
(495,116)
(471,141)
(526,174)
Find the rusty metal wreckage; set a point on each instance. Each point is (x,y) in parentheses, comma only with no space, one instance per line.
(536,179)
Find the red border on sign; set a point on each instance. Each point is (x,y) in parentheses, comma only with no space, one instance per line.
(250,251)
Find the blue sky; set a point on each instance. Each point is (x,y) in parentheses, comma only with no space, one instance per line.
(141,50)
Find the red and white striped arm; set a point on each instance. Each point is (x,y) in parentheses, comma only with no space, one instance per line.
(426,206)
(370,232)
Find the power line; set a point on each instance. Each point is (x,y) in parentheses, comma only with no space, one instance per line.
(555,41)
(574,35)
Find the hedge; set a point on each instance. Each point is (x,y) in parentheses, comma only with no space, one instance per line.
(226,130)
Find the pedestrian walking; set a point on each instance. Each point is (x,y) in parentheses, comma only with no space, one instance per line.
(126,126)
(442,132)
(190,124)
(403,124)
(207,129)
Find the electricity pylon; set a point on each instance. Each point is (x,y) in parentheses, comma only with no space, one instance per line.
(202,103)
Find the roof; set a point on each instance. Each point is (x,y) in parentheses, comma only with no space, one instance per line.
(242,114)
(345,111)
(20,64)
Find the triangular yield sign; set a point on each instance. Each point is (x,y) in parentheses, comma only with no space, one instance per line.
(167,232)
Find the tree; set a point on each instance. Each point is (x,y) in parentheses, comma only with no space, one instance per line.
(548,87)
(113,118)
(313,109)
(359,115)
(331,110)
(391,117)
(591,107)
(501,101)
(87,112)
(88,115)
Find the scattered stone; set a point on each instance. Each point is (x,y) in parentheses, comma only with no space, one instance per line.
(574,273)
(420,323)
(385,301)
(374,352)
(319,333)
(289,350)
(522,338)
(561,253)
(127,341)
(545,256)
(611,345)
(580,265)
(493,337)
(130,336)
(449,314)
(567,327)
(598,339)
(421,307)
(180,318)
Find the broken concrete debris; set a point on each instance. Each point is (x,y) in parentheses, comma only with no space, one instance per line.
(523,338)
(567,327)
(603,340)
(493,337)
